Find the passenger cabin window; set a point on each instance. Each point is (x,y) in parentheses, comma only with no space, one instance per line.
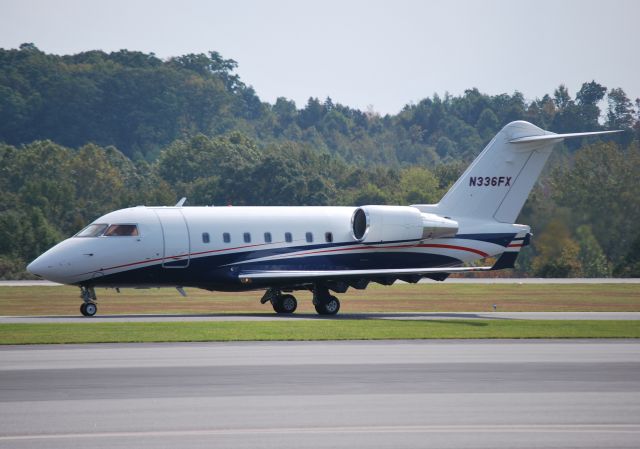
(226,237)
(205,237)
(267,237)
(309,237)
(247,237)
(287,237)
(328,237)
(121,230)
(93,230)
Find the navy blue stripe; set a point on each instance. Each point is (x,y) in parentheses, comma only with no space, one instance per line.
(209,272)
(214,270)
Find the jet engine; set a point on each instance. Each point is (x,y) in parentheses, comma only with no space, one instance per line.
(381,224)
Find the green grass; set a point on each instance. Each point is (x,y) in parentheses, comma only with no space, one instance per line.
(431,297)
(312,330)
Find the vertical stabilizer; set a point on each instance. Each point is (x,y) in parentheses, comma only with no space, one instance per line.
(498,182)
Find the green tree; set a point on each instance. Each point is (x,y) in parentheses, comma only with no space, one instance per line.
(417,186)
(629,266)
(185,161)
(601,190)
(587,99)
(558,254)
(487,124)
(592,259)
(620,113)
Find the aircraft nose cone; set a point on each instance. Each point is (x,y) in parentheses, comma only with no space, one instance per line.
(39,267)
(64,263)
(50,267)
(35,268)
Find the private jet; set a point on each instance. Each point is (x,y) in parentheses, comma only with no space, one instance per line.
(324,250)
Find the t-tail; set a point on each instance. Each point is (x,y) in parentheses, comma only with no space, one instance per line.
(498,182)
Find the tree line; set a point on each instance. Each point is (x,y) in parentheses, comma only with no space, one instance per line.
(88,133)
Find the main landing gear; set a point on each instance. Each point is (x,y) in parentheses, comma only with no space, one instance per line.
(323,301)
(284,304)
(88,295)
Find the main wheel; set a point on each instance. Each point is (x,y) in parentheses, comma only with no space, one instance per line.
(288,303)
(284,304)
(88,309)
(330,306)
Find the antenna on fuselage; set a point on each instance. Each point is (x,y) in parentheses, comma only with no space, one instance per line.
(181,202)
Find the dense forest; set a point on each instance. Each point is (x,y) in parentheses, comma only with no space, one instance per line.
(83,134)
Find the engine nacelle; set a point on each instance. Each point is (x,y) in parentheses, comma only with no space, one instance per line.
(396,223)
(437,227)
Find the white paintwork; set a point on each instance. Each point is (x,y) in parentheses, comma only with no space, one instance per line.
(176,239)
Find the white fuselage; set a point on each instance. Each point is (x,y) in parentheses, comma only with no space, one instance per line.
(206,246)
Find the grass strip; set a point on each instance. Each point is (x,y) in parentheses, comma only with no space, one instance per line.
(431,297)
(50,333)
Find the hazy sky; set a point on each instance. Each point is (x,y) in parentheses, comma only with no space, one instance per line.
(380,53)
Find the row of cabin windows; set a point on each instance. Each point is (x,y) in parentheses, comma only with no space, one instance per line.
(226,237)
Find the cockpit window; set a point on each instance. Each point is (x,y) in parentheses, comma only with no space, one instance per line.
(93,230)
(121,230)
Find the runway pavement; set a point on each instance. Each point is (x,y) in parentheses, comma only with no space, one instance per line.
(409,394)
(312,316)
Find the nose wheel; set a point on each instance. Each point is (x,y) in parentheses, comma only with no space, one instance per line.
(88,307)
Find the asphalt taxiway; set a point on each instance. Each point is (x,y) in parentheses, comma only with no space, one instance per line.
(410,394)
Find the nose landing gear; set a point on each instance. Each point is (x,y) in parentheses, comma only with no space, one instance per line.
(88,295)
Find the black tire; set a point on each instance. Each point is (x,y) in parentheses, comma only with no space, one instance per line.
(284,304)
(82,309)
(276,304)
(288,304)
(330,306)
(90,309)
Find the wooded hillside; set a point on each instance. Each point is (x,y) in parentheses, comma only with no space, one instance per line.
(88,133)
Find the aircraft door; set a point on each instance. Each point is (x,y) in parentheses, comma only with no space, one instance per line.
(176,239)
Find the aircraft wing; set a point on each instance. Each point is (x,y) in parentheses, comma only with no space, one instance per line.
(506,260)
(248,276)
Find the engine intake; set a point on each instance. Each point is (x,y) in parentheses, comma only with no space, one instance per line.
(378,224)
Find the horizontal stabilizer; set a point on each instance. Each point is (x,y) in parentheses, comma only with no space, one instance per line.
(559,137)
